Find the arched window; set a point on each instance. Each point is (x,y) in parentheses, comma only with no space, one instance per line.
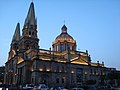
(63,70)
(95,72)
(63,80)
(29,32)
(72,47)
(65,46)
(32,80)
(57,80)
(33,33)
(44,68)
(91,71)
(57,48)
(27,44)
(57,68)
(62,47)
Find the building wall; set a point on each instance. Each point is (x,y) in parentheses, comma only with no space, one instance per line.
(25,64)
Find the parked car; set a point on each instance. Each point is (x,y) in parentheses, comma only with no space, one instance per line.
(92,87)
(53,88)
(42,87)
(28,87)
(88,87)
(77,89)
(60,88)
(115,88)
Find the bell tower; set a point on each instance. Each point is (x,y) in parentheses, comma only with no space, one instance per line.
(15,42)
(29,39)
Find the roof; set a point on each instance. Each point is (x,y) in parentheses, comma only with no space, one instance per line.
(30,19)
(16,36)
(64,36)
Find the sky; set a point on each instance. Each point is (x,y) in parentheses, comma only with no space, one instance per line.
(94,24)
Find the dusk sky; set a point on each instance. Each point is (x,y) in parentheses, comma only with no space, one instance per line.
(94,24)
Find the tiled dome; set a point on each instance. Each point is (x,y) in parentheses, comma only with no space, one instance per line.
(64,36)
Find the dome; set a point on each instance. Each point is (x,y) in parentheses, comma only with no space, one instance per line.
(64,36)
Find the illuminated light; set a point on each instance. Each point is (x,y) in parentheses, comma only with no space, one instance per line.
(13,53)
(29,35)
(80,63)
(63,39)
(28,51)
(102,65)
(72,71)
(60,53)
(32,69)
(48,70)
(86,73)
(74,58)
(103,73)
(40,69)
(20,60)
(45,59)
(60,71)
(83,54)
(62,61)
(72,52)
(96,73)
(96,64)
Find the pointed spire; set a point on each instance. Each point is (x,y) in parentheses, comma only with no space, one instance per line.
(16,36)
(64,29)
(30,19)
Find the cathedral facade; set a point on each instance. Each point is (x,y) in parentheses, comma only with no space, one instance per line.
(61,65)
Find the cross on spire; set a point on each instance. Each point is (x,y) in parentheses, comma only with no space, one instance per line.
(64,22)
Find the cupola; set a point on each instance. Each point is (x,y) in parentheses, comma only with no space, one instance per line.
(64,40)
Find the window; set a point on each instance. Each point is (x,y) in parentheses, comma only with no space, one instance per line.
(33,33)
(56,48)
(95,72)
(62,47)
(72,47)
(65,46)
(27,46)
(32,80)
(91,71)
(44,68)
(62,80)
(29,33)
(57,80)
(63,69)
(57,68)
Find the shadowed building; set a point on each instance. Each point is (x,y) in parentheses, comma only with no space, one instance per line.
(62,65)
(2,72)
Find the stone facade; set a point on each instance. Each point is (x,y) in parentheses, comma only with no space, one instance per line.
(62,65)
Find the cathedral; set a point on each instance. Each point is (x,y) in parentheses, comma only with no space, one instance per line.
(61,65)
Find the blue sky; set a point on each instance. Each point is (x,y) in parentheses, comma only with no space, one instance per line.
(94,24)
